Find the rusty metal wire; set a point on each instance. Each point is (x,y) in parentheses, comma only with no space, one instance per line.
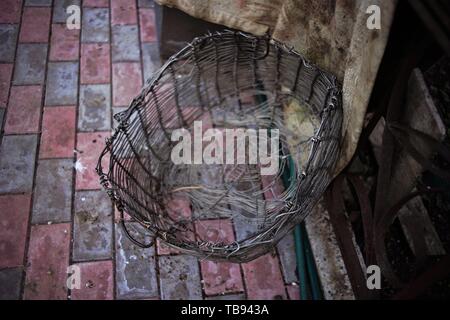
(229,80)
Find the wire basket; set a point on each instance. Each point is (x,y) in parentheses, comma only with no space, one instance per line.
(225,210)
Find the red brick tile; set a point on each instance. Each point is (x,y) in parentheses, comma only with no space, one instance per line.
(273,189)
(24,109)
(48,259)
(95,63)
(35,25)
(64,43)
(263,278)
(218,230)
(127,82)
(219,277)
(5,83)
(96,3)
(126,216)
(10,11)
(147,25)
(96,281)
(123,12)
(179,208)
(163,249)
(89,147)
(293,292)
(15,211)
(58,132)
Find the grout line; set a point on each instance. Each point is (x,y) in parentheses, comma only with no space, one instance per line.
(30,208)
(111,124)
(38,141)
(49,223)
(75,154)
(141,61)
(23,133)
(93,260)
(241,268)
(13,63)
(56,158)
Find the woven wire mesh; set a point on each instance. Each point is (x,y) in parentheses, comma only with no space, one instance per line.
(227,80)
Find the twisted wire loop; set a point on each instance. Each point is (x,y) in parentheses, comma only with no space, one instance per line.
(227,80)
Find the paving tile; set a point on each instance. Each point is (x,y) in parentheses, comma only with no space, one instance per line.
(218,277)
(8,38)
(30,66)
(92,238)
(17,156)
(95,63)
(245,222)
(127,83)
(5,82)
(38,3)
(146,3)
(96,281)
(210,175)
(58,132)
(62,83)
(164,249)
(179,278)
(263,279)
(273,188)
(123,12)
(293,292)
(96,3)
(286,252)
(59,9)
(135,267)
(15,211)
(64,43)
(147,25)
(10,11)
(24,109)
(11,280)
(245,226)
(95,107)
(227,297)
(48,259)
(150,59)
(53,192)
(179,208)
(125,43)
(126,216)
(216,231)
(95,25)
(89,147)
(35,25)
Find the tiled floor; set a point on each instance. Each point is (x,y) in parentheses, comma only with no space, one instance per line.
(58,91)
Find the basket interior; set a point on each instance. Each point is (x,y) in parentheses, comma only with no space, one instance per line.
(227,81)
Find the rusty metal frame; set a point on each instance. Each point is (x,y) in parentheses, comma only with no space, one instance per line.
(387,101)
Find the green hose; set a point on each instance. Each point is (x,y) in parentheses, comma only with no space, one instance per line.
(301,263)
(309,283)
(312,270)
(306,268)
